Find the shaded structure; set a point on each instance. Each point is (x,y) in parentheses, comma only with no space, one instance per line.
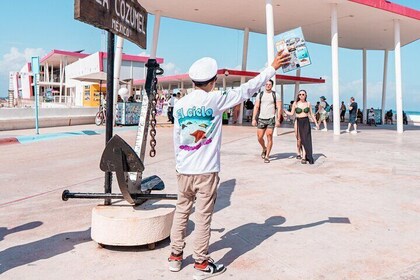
(355,24)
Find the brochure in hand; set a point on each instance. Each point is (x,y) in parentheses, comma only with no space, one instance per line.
(293,42)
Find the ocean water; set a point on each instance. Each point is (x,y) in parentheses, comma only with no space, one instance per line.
(413,113)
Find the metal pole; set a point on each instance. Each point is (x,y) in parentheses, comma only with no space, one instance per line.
(398,81)
(364,86)
(297,84)
(110,105)
(335,81)
(282,95)
(384,85)
(36,103)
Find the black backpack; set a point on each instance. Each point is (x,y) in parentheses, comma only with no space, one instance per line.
(249,105)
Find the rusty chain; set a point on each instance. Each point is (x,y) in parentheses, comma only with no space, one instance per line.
(153,123)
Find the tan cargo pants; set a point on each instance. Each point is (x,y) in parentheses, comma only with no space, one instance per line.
(203,187)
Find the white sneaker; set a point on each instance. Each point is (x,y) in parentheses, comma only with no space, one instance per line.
(348,131)
(354,132)
(175,263)
(324,129)
(208,269)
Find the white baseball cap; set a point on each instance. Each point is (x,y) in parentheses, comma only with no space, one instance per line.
(203,69)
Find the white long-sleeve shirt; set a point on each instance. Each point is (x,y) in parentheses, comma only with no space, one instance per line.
(198,124)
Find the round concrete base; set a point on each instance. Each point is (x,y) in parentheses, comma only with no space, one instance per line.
(121,224)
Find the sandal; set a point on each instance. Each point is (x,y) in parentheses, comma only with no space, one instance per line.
(266,160)
(303,161)
(298,157)
(264,152)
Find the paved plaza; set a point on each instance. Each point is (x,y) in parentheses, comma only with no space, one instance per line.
(354,214)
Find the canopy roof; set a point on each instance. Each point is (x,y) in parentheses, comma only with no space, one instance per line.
(233,79)
(96,77)
(55,56)
(362,24)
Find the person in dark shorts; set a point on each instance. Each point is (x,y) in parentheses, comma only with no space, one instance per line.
(343,110)
(352,116)
(266,115)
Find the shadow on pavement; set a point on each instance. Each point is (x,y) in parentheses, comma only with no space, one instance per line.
(249,236)
(317,156)
(42,249)
(5,231)
(282,156)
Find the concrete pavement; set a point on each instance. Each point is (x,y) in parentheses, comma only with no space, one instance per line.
(354,214)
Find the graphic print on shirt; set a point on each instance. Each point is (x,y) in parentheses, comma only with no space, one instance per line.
(196,125)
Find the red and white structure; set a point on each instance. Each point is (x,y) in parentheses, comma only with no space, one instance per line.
(64,73)
(355,24)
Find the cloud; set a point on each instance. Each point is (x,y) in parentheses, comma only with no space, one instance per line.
(14,60)
(144,54)
(170,69)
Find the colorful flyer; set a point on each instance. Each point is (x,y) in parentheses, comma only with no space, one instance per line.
(293,42)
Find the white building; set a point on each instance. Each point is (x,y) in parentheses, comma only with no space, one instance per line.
(73,78)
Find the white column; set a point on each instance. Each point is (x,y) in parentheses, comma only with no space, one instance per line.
(398,80)
(117,69)
(244,62)
(335,81)
(269,21)
(64,78)
(155,35)
(297,84)
(270,31)
(47,72)
(384,84)
(364,86)
(61,78)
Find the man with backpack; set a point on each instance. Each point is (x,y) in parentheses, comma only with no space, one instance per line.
(266,115)
(323,111)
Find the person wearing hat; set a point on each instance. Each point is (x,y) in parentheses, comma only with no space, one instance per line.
(197,143)
(323,112)
(371,117)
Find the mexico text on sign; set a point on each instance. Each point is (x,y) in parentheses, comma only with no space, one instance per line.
(126,18)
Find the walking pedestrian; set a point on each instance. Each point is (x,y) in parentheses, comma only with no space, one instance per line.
(266,115)
(323,110)
(303,111)
(352,116)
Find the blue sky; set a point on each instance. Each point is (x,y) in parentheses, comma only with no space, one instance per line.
(36,27)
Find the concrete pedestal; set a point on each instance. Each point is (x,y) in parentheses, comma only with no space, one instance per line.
(122,224)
